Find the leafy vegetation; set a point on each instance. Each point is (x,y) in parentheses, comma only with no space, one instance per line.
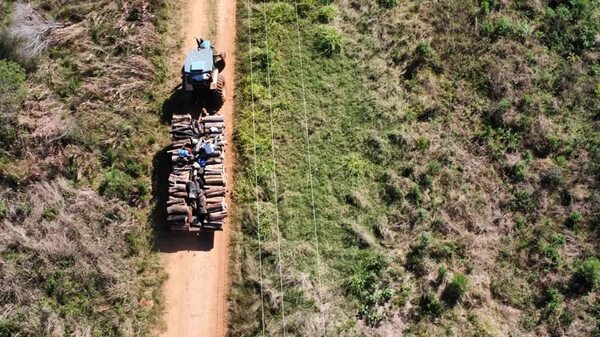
(80,83)
(462,153)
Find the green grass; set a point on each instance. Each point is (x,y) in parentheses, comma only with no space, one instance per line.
(435,143)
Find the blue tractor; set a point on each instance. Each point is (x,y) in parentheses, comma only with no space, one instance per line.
(202,73)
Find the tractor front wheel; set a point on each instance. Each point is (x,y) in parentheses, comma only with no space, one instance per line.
(220,61)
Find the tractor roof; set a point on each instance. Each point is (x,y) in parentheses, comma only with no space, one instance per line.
(199,60)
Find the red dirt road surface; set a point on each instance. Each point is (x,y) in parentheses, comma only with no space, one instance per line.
(196,289)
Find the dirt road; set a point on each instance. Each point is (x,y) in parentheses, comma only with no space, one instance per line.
(196,290)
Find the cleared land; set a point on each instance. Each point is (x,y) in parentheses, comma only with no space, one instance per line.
(454,149)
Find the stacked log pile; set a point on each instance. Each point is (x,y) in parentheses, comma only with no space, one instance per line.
(197,183)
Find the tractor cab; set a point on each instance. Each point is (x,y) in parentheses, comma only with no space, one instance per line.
(198,70)
(201,72)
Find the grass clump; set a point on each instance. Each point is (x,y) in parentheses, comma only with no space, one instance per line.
(326,14)
(3,210)
(573,219)
(387,3)
(429,305)
(456,289)
(328,40)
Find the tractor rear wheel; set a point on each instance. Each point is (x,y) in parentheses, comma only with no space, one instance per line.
(220,61)
(219,93)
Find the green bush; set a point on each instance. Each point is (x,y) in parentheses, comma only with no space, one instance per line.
(423,143)
(12,80)
(486,6)
(523,201)
(49,213)
(553,299)
(117,184)
(456,289)
(326,14)
(519,171)
(280,12)
(571,26)
(12,90)
(587,274)
(497,28)
(424,52)
(3,210)
(573,219)
(429,305)
(387,3)
(328,40)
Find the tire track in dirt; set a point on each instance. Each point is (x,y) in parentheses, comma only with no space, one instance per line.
(197,284)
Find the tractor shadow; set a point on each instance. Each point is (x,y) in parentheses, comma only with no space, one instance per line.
(181,103)
(165,240)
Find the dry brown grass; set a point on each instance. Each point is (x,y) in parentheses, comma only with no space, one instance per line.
(72,261)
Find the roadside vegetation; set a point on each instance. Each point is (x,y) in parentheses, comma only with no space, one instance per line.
(80,83)
(455,162)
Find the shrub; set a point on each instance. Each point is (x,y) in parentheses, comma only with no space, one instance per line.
(587,274)
(456,289)
(487,6)
(523,201)
(571,26)
(422,143)
(434,167)
(426,180)
(328,40)
(326,14)
(12,80)
(429,305)
(500,27)
(553,299)
(552,179)
(387,3)
(12,90)
(519,171)
(280,12)
(573,219)
(393,190)
(49,213)
(3,210)
(424,52)
(442,274)
(117,184)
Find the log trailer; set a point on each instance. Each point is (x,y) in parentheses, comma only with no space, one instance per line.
(198,183)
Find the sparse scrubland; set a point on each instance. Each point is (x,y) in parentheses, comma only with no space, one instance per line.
(80,86)
(455,161)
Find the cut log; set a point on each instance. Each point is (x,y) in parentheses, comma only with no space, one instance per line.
(177,209)
(217,216)
(214,200)
(214,182)
(176,201)
(177,218)
(215,193)
(215,208)
(214,118)
(216,125)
